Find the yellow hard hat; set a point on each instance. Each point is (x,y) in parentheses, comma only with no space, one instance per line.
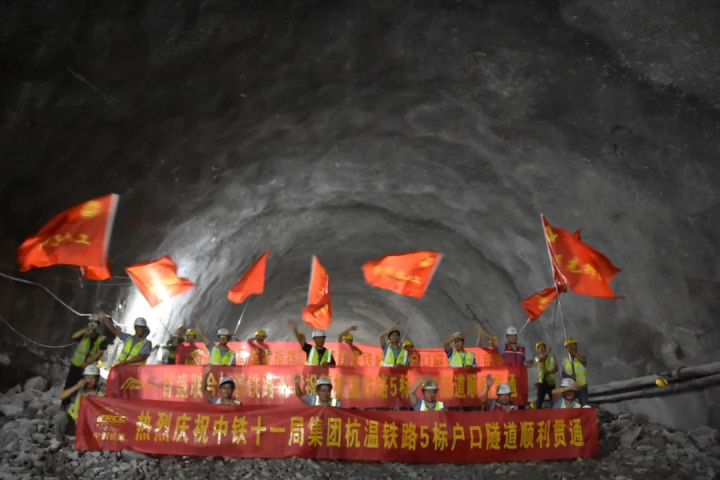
(661,382)
(348,336)
(569,341)
(408,343)
(260,333)
(191,332)
(537,345)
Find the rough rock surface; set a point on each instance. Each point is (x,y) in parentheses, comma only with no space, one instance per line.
(355,129)
(630,448)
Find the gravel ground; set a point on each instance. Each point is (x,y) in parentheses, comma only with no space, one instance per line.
(630,447)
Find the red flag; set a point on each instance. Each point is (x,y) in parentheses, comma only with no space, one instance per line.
(95,273)
(77,236)
(536,304)
(252,282)
(158,280)
(318,313)
(405,274)
(578,266)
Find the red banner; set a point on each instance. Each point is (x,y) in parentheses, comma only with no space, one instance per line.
(334,433)
(273,385)
(290,353)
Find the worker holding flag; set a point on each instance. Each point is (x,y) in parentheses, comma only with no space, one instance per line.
(511,352)
(574,367)
(316,354)
(136,348)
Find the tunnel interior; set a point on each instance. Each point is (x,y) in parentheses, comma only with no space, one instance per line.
(353,130)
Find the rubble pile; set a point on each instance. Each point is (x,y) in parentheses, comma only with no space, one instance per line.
(630,448)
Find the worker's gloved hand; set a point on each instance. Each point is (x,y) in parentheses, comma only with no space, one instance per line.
(81,383)
(297,378)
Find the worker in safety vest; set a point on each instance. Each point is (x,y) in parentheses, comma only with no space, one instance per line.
(316,354)
(405,356)
(323,393)
(455,349)
(546,366)
(172,344)
(511,352)
(564,396)
(90,348)
(219,354)
(391,348)
(190,336)
(346,337)
(88,385)
(504,392)
(428,403)
(136,348)
(261,349)
(226,389)
(575,367)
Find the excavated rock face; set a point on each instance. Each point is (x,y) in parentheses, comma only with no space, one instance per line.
(350,131)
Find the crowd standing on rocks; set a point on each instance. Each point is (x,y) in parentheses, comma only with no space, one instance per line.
(630,448)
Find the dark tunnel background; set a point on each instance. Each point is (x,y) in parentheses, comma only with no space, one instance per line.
(350,130)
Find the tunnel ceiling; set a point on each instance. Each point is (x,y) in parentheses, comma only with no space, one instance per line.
(352,131)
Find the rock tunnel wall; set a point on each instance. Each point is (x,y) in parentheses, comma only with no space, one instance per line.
(350,131)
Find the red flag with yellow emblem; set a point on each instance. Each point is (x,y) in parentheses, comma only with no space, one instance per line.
(318,313)
(158,280)
(95,273)
(78,236)
(536,304)
(252,282)
(578,266)
(405,274)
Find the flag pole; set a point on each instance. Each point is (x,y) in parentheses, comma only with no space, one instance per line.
(241,317)
(552,271)
(527,322)
(557,290)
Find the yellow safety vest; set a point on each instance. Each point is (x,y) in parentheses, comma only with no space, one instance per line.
(424,406)
(403,359)
(458,359)
(313,357)
(333,402)
(86,348)
(573,404)
(217,358)
(74,407)
(131,350)
(577,368)
(544,367)
(390,360)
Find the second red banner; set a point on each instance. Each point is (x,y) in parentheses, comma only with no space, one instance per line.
(354,386)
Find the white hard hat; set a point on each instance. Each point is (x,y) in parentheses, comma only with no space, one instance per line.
(430,386)
(224,380)
(511,331)
(567,382)
(223,331)
(323,381)
(318,333)
(140,322)
(91,369)
(504,389)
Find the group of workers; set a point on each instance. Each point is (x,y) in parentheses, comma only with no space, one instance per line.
(83,376)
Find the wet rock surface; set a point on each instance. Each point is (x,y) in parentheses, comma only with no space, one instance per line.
(630,448)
